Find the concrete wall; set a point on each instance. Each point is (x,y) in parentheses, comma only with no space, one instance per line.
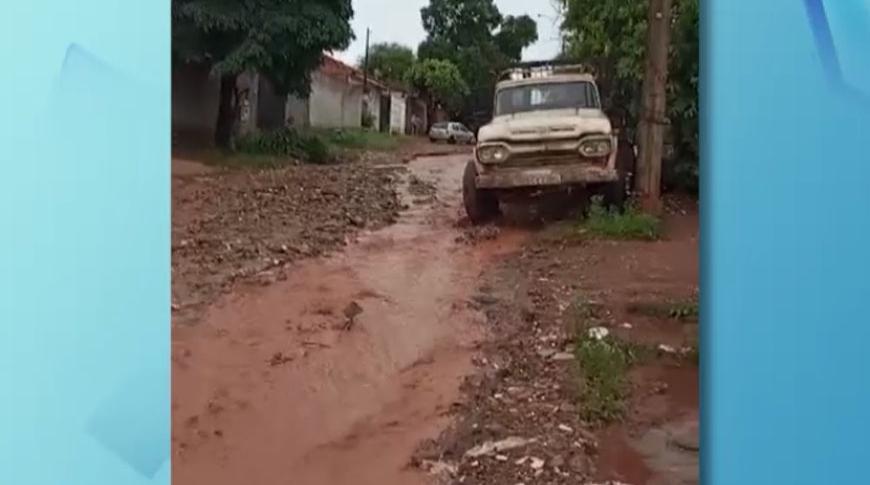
(271,108)
(416,107)
(352,107)
(374,108)
(334,103)
(195,99)
(296,111)
(398,110)
(195,96)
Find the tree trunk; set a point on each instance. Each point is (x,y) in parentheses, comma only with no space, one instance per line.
(226,119)
(430,113)
(653,115)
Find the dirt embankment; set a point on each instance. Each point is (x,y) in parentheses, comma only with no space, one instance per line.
(521,420)
(247,225)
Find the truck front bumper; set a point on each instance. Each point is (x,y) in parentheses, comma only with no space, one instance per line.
(544,176)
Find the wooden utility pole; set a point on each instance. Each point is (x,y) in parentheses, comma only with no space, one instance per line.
(366,63)
(653,104)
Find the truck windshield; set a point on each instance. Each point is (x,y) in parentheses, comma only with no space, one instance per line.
(533,97)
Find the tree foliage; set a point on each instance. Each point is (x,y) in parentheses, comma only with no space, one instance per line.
(389,61)
(439,81)
(281,39)
(609,36)
(479,40)
(515,34)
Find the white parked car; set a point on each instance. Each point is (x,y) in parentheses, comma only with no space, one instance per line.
(451,132)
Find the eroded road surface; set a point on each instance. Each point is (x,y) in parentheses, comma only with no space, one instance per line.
(334,374)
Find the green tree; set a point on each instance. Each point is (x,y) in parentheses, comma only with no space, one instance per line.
(609,36)
(439,82)
(515,34)
(479,40)
(389,61)
(283,40)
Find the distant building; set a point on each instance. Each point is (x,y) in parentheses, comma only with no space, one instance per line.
(337,100)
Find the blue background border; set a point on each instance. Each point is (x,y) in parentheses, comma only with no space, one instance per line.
(84,251)
(784,245)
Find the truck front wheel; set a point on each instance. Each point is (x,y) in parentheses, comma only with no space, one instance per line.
(481,205)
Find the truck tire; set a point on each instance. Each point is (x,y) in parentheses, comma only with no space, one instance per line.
(616,193)
(480,205)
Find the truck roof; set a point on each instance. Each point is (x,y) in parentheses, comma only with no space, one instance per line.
(557,78)
(539,72)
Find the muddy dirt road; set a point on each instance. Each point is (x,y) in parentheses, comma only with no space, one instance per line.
(334,374)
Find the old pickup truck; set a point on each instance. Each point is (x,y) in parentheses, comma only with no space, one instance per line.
(548,133)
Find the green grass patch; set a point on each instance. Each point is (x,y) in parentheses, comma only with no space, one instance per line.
(629,224)
(361,139)
(317,146)
(684,311)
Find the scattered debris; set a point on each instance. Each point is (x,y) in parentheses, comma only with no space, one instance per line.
(420,188)
(547,353)
(438,468)
(563,357)
(491,447)
(667,349)
(315,344)
(232,226)
(476,234)
(598,333)
(484,299)
(351,311)
(279,359)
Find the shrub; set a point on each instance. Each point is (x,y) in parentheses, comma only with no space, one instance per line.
(305,146)
(613,224)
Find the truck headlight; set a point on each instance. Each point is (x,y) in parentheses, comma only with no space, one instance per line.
(492,153)
(596,147)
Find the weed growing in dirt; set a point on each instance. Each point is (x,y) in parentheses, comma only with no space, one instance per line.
(684,311)
(603,365)
(630,224)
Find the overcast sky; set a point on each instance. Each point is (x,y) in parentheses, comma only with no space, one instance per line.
(399,21)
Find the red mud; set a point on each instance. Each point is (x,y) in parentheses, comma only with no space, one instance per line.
(269,388)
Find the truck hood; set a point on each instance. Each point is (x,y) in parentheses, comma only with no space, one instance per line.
(538,125)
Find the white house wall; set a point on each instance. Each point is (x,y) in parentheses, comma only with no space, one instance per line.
(296,111)
(334,103)
(397,113)
(352,107)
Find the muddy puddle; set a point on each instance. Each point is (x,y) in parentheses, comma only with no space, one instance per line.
(659,445)
(335,373)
